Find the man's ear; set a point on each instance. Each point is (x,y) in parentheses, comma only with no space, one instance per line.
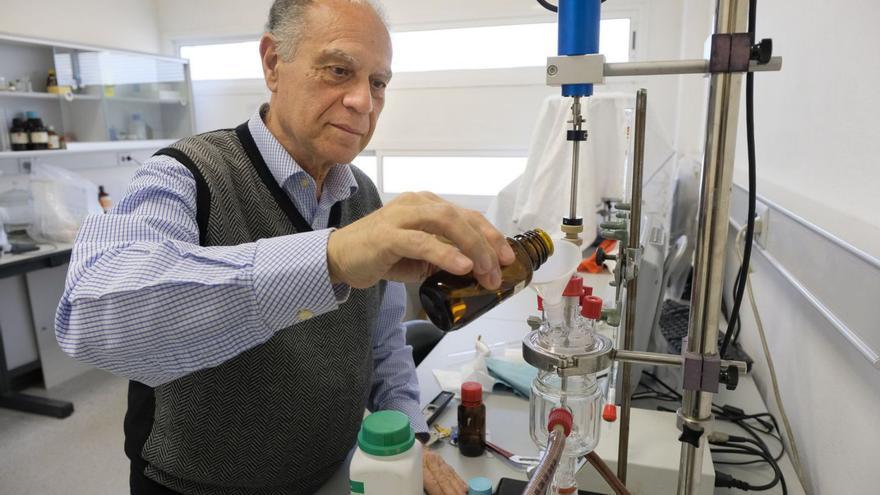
(270,58)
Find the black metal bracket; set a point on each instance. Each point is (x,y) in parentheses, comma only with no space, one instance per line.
(700,373)
(730,53)
(577,135)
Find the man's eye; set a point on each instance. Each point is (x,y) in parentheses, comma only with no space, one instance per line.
(379,84)
(338,71)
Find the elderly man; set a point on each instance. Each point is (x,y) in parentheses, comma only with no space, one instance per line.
(248,284)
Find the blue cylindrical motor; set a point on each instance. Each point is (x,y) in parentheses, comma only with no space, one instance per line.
(579,35)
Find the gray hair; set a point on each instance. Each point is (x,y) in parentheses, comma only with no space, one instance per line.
(287,21)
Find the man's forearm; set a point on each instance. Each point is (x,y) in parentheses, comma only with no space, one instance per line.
(153,312)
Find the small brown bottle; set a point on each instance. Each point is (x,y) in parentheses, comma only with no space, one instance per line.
(471,420)
(453,301)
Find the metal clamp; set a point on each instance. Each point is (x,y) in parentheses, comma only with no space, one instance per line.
(730,53)
(593,360)
(704,373)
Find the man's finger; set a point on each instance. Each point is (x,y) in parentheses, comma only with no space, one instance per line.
(451,222)
(495,238)
(447,480)
(432,487)
(416,245)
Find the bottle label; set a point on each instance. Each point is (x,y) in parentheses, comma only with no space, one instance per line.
(19,138)
(356,486)
(54,143)
(40,137)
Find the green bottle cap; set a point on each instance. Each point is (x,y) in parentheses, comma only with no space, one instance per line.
(386,433)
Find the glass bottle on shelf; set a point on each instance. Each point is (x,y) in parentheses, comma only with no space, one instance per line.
(52,82)
(39,136)
(18,135)
(54,141)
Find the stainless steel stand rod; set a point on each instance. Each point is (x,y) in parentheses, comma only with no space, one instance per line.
(723,112)
(635,220)
(577,120)
(657,359)
(677,67)
(649,358)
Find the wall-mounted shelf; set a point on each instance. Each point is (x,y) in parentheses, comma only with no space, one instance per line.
(121,93)
(90,147)
(28,95)
(137,99)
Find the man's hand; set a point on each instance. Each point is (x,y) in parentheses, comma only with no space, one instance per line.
(439,478)
(406,239)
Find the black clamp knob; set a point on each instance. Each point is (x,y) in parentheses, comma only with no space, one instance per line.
(762,52)
(602,256)
(730,377)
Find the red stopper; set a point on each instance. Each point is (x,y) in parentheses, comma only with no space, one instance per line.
(471,393)
(574,288)
(609,414)
(591,307)
(560,416)
(588,291)
(540,303)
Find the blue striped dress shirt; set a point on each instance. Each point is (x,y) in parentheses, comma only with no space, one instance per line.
(143,300)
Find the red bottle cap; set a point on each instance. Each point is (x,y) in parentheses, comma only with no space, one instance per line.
(560,416)
(574,288)
(471,393)
(540,303)
(588,291)
(609,414)
(591,307)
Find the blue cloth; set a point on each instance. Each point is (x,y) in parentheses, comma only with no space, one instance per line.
(517,376)
(143,300)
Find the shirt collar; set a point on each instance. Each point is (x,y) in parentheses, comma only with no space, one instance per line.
(339,183)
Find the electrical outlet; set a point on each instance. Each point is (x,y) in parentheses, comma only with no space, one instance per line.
(124,159)
(762,223)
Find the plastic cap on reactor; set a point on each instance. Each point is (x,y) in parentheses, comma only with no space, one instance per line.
(574,288)
(591,307)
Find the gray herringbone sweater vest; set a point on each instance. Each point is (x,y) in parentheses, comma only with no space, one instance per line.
(280,417)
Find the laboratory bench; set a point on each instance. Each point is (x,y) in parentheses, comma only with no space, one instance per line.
(654,446)
(31,285)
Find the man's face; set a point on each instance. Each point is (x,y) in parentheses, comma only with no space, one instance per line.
(327,98)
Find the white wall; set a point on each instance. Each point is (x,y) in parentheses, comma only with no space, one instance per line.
(817,131)
(817,156)
(124,24)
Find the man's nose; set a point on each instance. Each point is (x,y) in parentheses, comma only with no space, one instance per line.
(360,97)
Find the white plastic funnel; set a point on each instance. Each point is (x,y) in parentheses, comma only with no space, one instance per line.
(550,280)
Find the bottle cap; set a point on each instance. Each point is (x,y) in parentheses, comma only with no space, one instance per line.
(540,303)
(386,433)
(591,307)
(574,288)
(471,393)
(560,416)
(31,115)
(479,486)
(588,291)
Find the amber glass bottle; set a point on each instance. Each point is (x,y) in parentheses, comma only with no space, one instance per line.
(471,420)
(453,301)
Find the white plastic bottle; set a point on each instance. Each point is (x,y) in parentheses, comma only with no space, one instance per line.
(388,460)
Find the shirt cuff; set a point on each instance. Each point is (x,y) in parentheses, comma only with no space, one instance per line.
(292,279)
